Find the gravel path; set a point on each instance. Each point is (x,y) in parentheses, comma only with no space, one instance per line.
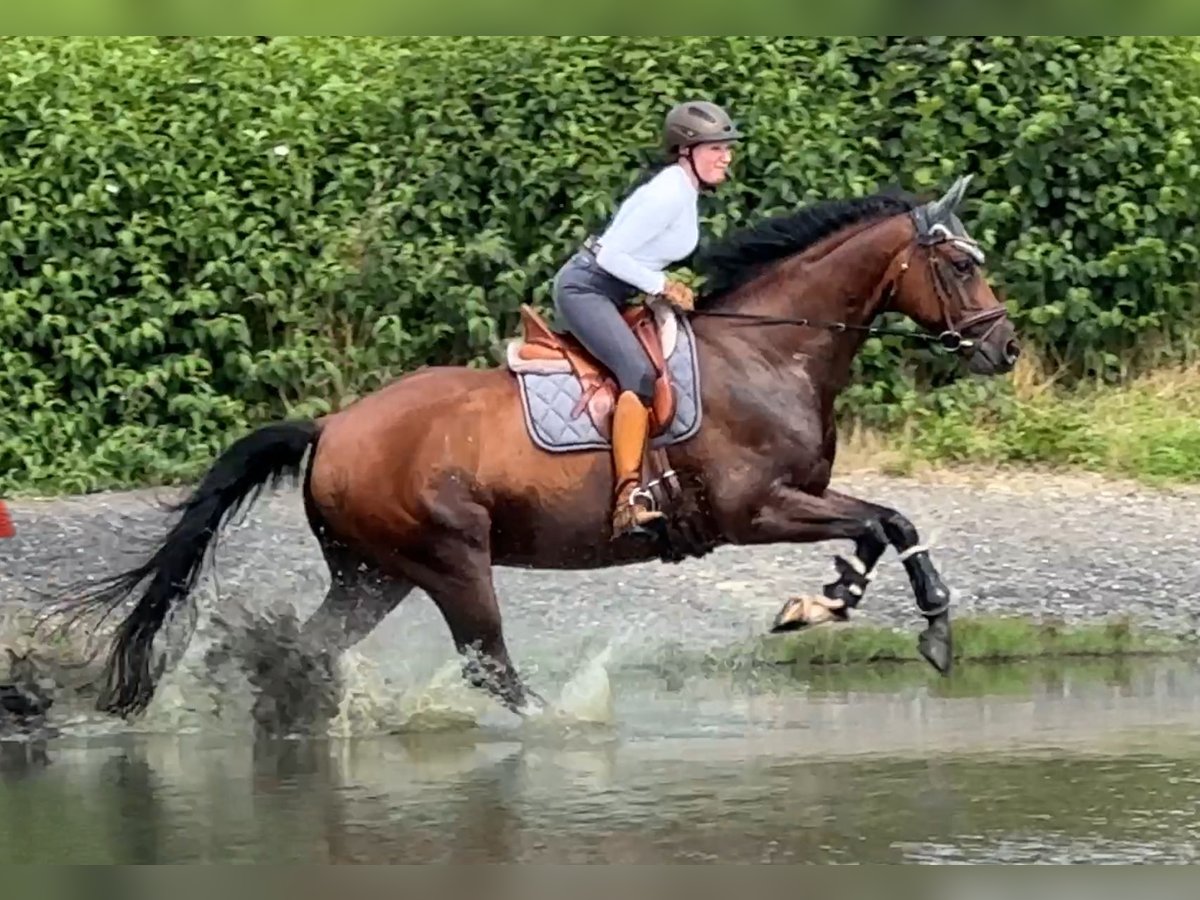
(1076,547)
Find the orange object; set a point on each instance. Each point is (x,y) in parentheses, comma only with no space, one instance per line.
(6,524)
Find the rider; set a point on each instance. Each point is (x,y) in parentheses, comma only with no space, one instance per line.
(657,225)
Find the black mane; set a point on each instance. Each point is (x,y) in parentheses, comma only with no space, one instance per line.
(734,260)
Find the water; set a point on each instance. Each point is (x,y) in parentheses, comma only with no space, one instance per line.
(1092,762)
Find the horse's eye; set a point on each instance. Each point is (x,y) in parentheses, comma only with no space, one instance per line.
(963,265)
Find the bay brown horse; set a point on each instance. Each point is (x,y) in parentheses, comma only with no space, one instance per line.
(433,480)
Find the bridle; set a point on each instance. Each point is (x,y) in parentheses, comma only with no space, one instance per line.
(946,286)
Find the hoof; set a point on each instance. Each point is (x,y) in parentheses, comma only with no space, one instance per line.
(22,703)
(805,612)
(532,706)
(934,644)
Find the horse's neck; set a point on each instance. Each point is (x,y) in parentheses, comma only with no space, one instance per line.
(837,280)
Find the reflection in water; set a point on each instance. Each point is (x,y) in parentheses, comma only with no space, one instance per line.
(1066,765)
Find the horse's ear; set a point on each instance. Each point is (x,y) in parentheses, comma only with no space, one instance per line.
(958,190)
(944,207)
(953,197)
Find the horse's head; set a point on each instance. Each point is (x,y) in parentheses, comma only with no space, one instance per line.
(938,282)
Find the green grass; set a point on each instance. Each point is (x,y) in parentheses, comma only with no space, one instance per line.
(1147,429)
(993,654)
(976,638)
(984,638)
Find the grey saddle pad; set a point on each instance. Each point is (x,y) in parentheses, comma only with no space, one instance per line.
(548,399)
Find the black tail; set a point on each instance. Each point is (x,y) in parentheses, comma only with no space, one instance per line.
(235,480)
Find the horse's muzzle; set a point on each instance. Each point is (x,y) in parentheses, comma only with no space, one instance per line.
(996,351)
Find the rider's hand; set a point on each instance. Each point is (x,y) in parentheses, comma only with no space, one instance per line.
(679,294)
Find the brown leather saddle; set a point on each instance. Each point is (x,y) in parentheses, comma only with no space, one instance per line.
(539,349)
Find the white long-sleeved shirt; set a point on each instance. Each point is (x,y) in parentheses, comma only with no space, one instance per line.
(658,224)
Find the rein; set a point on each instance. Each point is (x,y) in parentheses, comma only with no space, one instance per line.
(951,340)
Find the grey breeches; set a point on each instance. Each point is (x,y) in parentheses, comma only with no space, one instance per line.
(589,300)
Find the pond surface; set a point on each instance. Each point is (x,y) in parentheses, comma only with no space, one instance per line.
(1096,762)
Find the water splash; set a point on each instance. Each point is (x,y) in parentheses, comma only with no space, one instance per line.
(587,696)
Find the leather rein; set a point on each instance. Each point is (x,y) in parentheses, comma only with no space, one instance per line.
(951,339)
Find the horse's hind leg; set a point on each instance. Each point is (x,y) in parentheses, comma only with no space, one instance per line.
(468,602)
(360,597)
(360,594)
(453,565)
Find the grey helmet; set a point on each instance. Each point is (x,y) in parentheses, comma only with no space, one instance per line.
(697,122)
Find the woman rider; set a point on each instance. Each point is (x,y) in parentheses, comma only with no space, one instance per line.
(657,225)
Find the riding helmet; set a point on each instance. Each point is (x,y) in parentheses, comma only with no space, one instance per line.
(697,122)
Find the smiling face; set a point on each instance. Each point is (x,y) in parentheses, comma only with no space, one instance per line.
(711,160)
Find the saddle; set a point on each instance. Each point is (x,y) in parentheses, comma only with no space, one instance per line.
(542,351)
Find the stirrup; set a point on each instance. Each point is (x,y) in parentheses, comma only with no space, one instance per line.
(643,493)
(632,517)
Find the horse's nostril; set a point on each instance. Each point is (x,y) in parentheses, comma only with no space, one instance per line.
(1012,351)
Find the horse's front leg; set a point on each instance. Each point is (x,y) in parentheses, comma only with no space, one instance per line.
(793,516)
(856,572)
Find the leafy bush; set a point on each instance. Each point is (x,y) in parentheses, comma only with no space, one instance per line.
(199,234)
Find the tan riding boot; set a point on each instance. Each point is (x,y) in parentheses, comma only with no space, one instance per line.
(630,432)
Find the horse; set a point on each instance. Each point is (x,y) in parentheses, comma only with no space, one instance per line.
(435,478)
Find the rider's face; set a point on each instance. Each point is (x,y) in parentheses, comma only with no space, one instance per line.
(712,160)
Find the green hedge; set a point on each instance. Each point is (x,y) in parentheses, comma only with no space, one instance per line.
(199,234)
